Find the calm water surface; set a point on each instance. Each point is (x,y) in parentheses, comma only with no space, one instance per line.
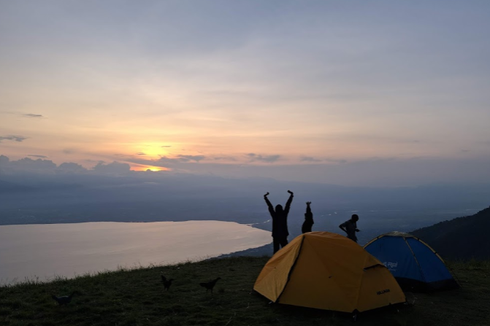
(45,251)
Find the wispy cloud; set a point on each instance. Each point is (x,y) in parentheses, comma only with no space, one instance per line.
(13,138)
(190,158)
(164,161)
(309,159)
(32,115)
(263,158)
(166,146)
(177,162)
(68,151)
(38,156)
(224,158)
(183,158)
(140,153)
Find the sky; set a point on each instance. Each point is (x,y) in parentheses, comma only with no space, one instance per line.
(378,93)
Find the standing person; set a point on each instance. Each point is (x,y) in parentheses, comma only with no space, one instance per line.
(308,223)
(350,227)
(279,221)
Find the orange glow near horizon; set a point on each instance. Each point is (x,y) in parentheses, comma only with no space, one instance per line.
(148,167)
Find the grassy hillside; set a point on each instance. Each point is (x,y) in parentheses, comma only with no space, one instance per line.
(137,297)
(460,238)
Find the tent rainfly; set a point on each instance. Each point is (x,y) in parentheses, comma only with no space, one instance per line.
(325,270)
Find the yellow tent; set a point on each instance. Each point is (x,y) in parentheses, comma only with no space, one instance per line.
(328,271)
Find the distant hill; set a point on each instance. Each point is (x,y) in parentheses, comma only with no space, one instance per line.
(460,238)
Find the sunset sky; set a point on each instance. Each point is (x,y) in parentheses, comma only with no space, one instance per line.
(345,92)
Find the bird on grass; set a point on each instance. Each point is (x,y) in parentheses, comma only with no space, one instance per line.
(166,283)
(210,285)
(63,300)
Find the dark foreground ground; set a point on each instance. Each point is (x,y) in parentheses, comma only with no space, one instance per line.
(137,297)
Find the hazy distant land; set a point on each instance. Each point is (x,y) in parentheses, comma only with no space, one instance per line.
(147,196)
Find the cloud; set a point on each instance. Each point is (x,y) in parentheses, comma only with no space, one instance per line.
(4,160)
(266,158)
(39,164)
(68,151)
(172,162)
(166,146)
(112,168)
(38,156)
(13,138)
(32,115)
(309,159)
(27,165)
(188,158)
(140,153)
(224,158)
(182,163)
(372,172)
(69,167)
(179,159)
(42,166)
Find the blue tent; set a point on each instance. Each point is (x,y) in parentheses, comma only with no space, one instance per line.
(413,263)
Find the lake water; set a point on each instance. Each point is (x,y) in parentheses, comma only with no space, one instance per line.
(42,252)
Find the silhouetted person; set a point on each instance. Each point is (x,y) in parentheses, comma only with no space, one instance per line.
(350,227)
(279,222)
(308,223)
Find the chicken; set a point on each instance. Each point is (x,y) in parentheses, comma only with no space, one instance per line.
(63,300)
(166,283)
(210,285)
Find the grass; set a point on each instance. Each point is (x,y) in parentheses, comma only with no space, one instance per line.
(137,297)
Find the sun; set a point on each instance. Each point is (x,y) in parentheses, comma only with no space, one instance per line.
(153,150)
(156,169)
(141,167)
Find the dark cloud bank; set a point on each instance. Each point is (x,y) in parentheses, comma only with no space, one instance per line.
(39,191)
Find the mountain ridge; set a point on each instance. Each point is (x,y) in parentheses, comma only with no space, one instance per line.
(462,238)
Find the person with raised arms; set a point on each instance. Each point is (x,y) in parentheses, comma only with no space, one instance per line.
(279,221)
